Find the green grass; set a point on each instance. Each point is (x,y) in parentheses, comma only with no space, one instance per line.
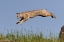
(17,36)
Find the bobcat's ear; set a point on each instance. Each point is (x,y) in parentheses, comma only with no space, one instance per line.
(45,9)
(17,13)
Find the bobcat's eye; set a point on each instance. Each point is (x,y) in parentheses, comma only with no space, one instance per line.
(17,17)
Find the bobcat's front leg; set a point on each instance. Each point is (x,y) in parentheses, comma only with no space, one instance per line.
(25,19)
(19,21)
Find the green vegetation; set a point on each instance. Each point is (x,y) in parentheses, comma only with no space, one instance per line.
(17,36)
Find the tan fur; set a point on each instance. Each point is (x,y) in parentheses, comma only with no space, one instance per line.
(30,14)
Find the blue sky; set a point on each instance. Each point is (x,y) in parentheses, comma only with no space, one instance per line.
(9,8)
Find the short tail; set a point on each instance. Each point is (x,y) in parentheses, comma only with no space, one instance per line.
(53,16)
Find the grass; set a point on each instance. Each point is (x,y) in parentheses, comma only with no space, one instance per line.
(17,36)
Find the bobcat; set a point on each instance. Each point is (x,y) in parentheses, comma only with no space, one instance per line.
(31,14)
